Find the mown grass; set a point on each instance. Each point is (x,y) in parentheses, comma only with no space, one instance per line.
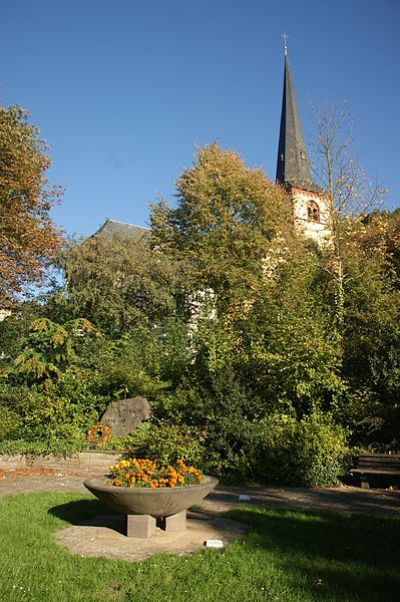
(287,556)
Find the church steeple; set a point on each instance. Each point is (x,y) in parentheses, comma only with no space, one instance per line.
(293,168)
(311,207)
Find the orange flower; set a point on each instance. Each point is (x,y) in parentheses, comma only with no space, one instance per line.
(136,472)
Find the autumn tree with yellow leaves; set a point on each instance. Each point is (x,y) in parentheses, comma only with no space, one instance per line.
(230,222)
(28,236)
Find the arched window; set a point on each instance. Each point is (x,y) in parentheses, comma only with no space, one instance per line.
(313,214)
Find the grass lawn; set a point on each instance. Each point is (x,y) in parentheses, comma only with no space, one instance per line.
(287,556)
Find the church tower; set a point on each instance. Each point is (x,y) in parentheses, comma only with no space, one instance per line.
(311,206)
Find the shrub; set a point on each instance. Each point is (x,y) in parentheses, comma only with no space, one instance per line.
(223,416)
(42,447)
(48,387)
(308,452)
(167,443)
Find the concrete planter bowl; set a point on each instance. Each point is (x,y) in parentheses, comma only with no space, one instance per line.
(143,506)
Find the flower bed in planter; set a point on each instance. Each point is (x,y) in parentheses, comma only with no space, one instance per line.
(144,491)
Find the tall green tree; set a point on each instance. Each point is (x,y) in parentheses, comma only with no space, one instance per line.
(371,333)
(230,223)
(266,320)
(115,283)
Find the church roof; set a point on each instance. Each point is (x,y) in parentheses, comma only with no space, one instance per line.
(113,228)
(293,168)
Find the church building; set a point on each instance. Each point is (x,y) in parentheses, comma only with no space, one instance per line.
(311,206)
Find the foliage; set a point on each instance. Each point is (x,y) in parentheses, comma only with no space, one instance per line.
(309,452)
(65,445)
(350,192)
(211,421)
(227,321)
(60,377)
(28,237)
(228,217)
(13,329)
(290,350)
(371,333)
(167,443)
(145,360)
(48,384)
(115,283)
(235,435)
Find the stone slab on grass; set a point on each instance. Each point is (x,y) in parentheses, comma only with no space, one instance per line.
(104,536)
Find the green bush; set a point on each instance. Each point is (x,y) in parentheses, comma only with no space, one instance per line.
(167,443)
(49,386)
(223,413)
(41,447)
(307,452)
(242,440)
(9,422)
(276,449)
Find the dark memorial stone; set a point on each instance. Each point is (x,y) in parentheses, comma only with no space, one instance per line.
(126,415)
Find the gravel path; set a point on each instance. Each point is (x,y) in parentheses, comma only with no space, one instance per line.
(377,502)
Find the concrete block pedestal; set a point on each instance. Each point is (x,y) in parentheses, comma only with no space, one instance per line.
(140,525)
(144,525)
(176,522)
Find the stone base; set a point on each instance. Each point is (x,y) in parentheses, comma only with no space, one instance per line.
(176,522)
(105,536)
(144,525)
(140,525)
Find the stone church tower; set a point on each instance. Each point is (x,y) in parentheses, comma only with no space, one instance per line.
(311,206)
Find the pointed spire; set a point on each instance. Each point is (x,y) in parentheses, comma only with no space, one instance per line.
(293,168)
(285,39)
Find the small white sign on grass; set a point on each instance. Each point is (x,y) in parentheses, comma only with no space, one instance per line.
(214,543)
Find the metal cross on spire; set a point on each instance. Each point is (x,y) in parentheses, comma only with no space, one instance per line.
(285,39)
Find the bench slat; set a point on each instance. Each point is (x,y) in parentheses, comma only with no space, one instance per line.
(379,460)
(374,471)
(397,456)
(380,466)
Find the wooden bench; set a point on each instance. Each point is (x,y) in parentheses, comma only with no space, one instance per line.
(376,465)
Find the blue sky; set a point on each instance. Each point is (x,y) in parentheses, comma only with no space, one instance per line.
(124,90)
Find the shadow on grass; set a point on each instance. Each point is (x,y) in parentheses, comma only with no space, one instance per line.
(343,557)
(374,502)
(87,512)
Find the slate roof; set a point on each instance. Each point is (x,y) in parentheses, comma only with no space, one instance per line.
(113,228)
(293,168)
